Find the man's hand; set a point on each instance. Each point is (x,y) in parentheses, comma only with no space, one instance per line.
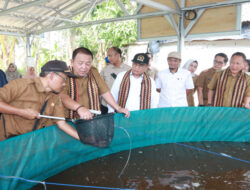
(84,113)
(246,106)
(246,103)
(29,113)
(26,113)
(123,110)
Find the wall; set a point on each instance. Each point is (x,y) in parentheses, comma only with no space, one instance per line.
(202,51)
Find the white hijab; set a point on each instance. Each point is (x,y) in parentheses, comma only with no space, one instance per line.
(186,65)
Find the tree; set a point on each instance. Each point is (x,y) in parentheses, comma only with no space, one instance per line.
(7,50)
(98,38)
(45,49)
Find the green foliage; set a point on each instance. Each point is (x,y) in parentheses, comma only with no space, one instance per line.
(7,50)
(51,54)
(97,38)
(44,49)
(100,37)
(22,70)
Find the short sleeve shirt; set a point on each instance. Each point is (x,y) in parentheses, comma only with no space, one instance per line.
(109,74)
(173,87)
(82,87)
(228,93)
(203,80)
(134,95)
(28,93)
(190,96)
(152,72)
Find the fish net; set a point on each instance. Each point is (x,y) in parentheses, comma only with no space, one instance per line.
(98,131)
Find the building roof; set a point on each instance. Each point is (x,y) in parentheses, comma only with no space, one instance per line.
(24,17)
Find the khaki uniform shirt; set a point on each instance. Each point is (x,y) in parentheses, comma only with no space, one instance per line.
(203,80)
(28,93)
(228,93)
(152,72)
(106,73)
(190,96)
(110,70)
(82,88)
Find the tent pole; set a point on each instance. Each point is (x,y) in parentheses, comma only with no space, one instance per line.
(28,50)
(181,34)
(28,46)
(181,37)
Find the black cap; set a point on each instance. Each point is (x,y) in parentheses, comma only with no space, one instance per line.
(56,66)
(141,58)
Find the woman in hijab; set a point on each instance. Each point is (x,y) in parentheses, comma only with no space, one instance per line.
(191,65)
(30,73)
(12,73)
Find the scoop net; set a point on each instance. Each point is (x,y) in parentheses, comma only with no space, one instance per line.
(98,131)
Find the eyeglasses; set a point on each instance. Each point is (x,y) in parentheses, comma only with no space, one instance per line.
(61,77)
(218,62)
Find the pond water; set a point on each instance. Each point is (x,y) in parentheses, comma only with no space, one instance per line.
(166,166)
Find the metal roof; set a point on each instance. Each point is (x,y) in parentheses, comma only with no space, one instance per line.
(25,17)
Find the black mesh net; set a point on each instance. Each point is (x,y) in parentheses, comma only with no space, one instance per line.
(98,131)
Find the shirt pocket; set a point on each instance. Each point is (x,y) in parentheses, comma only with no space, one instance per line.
(179,82)
(27,104)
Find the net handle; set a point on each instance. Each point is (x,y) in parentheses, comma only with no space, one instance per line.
(95,112)
(62,118)
(52,117)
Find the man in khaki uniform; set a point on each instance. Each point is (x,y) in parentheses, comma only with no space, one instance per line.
(82,93)
(220,60)
(231,87)
(110,72)
(21,101)
(152,71)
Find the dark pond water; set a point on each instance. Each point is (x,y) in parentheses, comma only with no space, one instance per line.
(163,167)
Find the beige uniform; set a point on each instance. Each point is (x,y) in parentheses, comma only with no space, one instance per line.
(202,82)
(82,88)
(228,93)
(109,74)
(27,93)
(190,96)
(152,72)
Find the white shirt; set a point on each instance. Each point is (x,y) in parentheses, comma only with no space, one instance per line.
(173,87)
(133,101)
(107,72)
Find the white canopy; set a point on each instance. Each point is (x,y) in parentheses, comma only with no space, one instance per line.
(27,17)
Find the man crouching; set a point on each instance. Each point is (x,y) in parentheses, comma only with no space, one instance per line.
(23,100)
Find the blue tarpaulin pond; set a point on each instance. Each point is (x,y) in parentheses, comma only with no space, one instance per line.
(46,152)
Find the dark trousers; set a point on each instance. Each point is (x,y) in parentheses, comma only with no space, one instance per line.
(104,109)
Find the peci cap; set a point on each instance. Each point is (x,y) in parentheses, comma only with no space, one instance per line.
(174,54)
(141,58)
(56,66)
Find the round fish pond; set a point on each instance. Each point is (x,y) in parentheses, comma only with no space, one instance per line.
(171,148)
(189,165)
